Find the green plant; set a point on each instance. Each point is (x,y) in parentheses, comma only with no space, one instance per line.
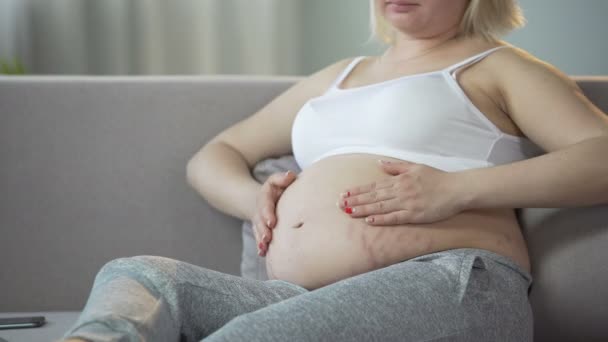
(11,68)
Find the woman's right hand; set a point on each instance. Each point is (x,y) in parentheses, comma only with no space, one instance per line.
(264,218)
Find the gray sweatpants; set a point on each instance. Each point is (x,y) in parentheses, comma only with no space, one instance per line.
(463,294)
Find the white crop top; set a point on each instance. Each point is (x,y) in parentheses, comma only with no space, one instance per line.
(424,118)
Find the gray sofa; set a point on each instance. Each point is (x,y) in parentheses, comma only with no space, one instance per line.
(94,168)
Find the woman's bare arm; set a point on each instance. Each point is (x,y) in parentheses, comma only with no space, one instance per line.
(552,112)
(221,170)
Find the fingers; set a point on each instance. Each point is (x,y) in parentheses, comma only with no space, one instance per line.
(380,207)
(366,198)
(268,211)
(383,184)
(263,235)
(282,180)
(276,186)
(266,219)
(393,218)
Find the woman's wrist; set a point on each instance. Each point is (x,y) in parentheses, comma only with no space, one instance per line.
(249,203)
(465,189)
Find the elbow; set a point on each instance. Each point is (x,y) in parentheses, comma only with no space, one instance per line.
(194,170)
(190,172)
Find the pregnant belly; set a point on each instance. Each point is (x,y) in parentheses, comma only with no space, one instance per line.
(314,243)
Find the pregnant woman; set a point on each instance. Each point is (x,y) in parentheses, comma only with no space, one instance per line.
(401,225)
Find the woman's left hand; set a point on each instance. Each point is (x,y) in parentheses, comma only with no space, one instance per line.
(416,193)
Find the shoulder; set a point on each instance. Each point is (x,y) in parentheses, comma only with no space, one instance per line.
(344,62)
(323,78)
(327,74)
(335,68)
(515,67)
(546,104)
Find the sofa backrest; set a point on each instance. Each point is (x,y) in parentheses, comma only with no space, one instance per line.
(93,168)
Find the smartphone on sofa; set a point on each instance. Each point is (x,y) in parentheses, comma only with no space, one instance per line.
(22,322)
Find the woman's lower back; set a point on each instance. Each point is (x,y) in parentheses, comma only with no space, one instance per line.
(315,243)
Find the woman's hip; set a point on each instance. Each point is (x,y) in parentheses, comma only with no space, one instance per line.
(463,294)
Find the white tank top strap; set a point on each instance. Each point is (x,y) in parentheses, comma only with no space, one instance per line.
(347,71)
(472,60)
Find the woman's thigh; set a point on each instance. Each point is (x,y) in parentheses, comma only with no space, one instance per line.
(455,295)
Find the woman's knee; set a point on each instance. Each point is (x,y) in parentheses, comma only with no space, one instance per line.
(142,263)
(152,271)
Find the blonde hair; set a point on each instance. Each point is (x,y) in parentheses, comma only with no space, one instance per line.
(489,19)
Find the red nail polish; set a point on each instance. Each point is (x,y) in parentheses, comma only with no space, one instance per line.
(348,210)
(346,203)
(348,194)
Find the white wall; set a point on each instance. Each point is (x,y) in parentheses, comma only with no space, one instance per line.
(570,34)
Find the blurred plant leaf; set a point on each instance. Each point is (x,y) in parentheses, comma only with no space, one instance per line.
(5,67)
(19,67)
(14,68)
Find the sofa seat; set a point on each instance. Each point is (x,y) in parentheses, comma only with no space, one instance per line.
(57,323)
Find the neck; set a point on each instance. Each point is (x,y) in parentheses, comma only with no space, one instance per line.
(406,47)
